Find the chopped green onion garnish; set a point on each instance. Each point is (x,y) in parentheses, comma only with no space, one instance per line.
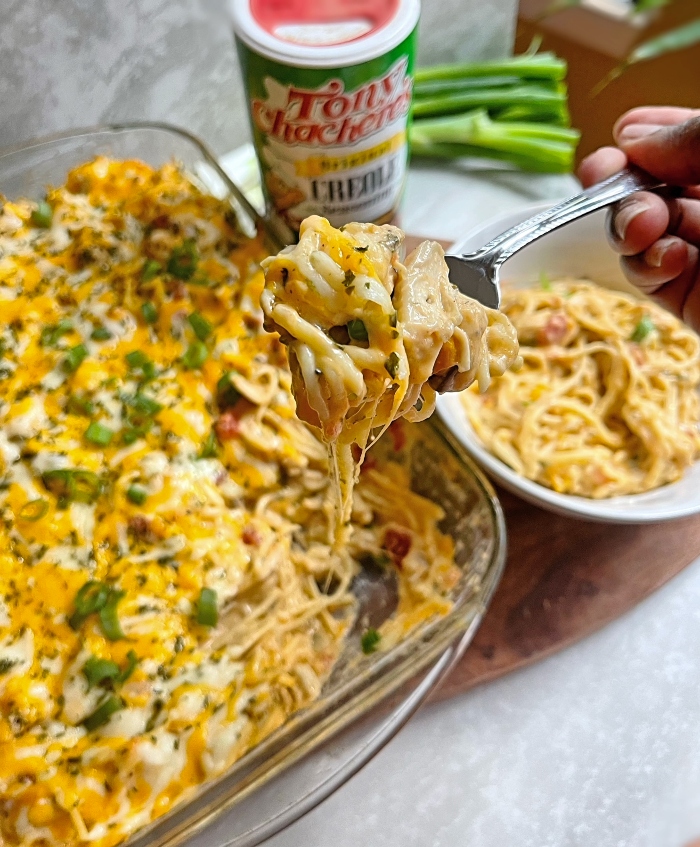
(137,494)
(42,215)
(227,395)
(98,670)
(100,333)
(349,279)
(72,485)
(99,434)
(200,279)
(150,269)
(643,328)
(370,640)
(545,282)
(145,404)
(51,334)
(109,617)
(183,260)
(77,405)
(137,360)
(207,611)
(209,448)
(74,358)
(201,326)
(129,436)
(103,713)
(149,312)
(195,355)
(357,330)
(90,598)
(132,660)
(7,665)
(34,510)
(392,365)
(139,417)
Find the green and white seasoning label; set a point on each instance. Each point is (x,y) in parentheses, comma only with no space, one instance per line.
(331,141)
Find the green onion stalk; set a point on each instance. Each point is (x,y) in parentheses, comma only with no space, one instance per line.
(530,146)
(515,110)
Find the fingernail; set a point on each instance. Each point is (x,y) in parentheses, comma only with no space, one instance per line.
(654,256)
(626,214)
(633,132)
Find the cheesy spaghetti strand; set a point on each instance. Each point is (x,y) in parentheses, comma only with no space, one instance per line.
(371,338)
(168,593)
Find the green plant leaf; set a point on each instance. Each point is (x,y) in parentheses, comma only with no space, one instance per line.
(679,38)
(639,6)
(649,5)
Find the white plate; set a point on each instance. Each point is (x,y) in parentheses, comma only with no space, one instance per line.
(579,249)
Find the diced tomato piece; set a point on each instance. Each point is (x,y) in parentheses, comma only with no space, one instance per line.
(369,464)
(251,535)
(369,461)
(398,435)
(397,544)
(228,425)
(141,527)
(554,331)
(161,222)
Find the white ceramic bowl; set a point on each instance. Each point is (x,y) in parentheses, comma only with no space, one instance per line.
(581,250)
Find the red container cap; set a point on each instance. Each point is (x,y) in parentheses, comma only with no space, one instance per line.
(325,22)
(323,33)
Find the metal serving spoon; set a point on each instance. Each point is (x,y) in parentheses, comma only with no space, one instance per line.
(477,274)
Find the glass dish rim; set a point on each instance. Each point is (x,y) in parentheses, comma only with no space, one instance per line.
(274,235)
(275,754)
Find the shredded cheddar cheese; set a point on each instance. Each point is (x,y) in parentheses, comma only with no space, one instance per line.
(169,593)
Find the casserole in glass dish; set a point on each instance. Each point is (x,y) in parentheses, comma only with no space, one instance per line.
(261,788)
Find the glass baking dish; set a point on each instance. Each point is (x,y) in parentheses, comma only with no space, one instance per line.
(367,698)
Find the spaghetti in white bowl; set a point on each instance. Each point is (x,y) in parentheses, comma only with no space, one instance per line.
(601,423)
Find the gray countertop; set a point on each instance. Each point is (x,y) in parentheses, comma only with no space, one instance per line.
(598,746)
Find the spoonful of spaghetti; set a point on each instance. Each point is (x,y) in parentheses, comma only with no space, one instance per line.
(372,338)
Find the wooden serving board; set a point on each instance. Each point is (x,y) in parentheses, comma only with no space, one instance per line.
(564,579)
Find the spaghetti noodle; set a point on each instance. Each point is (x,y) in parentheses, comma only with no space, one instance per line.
(371,338)
(606,402)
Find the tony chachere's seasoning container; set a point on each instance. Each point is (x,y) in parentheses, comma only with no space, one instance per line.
(329,90)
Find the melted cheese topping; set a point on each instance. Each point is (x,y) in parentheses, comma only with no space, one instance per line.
(168,592)
(371,338)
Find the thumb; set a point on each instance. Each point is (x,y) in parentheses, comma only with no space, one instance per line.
(671,153)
